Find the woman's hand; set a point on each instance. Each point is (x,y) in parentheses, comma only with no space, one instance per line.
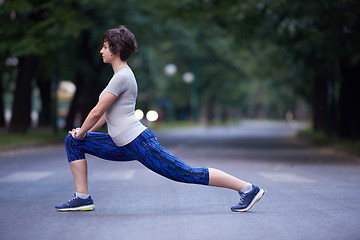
(76,135)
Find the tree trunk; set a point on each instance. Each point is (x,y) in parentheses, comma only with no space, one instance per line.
(87,83)
(85,98)
(210,110)
(349,123)
(75,103)
(21,109)
(90,96)
(324,110)
(319,102)
(2,107)
(44,86)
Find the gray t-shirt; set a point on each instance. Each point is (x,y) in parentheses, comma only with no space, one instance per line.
(123,126)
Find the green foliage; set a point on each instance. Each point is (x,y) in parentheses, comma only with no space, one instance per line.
(253,55)
(34,136)
(38,27)
(322,139)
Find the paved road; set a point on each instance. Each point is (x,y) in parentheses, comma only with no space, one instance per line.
(311,193)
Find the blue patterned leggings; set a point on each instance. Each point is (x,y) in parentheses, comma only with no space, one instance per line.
(145,148)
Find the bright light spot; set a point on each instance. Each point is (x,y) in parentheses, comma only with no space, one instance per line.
(67,86)
(188,77)
(170,69)
(11,61)
(152,116)
(139,114)
(66,90)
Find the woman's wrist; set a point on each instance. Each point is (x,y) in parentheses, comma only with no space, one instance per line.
(77,134)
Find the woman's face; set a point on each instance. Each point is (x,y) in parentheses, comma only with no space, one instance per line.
(107,56)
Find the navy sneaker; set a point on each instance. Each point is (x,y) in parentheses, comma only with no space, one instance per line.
(77,204)
(247,200)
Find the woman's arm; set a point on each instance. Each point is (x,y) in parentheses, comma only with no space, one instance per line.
(95,116)
(99,124)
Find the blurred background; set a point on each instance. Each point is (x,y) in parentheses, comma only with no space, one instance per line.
(199,61)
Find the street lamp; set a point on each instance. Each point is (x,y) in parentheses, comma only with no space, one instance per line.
(12,61)
(188,78)
(170,69)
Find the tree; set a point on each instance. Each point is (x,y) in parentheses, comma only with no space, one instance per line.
(325,34)
(321,38)
(257,54)
(30,30)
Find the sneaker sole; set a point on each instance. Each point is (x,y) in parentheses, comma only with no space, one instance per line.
(81,208)
(255,200)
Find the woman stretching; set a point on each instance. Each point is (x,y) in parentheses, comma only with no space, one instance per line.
(128,139)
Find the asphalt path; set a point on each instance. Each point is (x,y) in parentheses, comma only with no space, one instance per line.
(311,192)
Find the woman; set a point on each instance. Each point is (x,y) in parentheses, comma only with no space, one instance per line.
(127,139)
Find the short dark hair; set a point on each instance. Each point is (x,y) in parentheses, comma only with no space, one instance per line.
(121,40)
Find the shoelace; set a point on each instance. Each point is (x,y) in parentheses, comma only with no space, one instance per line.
(242,196)
(73,198)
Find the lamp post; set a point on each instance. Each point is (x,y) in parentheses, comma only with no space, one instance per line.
(189,78)
(169,70)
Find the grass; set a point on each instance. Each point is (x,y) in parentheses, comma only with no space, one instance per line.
(320,138)
(47,135)
(167,125)
(183,124)
(33,136)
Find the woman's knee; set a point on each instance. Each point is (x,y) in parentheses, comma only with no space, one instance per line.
(69,141)
(187,175)
(199,175)
(72,150)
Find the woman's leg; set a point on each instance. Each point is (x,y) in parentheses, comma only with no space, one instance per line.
(221,179)
(149,152)
(79,172)
(96,144)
